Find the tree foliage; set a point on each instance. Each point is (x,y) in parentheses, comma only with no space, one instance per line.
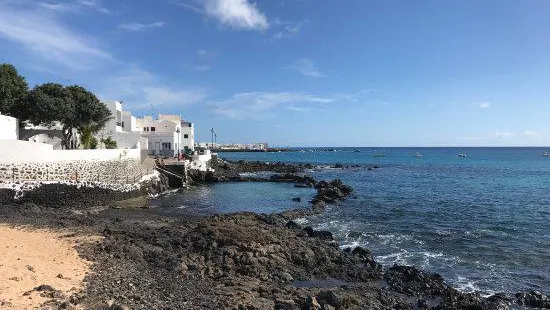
(109,143)
(73,106)
(87,139)
(13,92)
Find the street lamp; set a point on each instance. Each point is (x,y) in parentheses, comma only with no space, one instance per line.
(179,142)
(212,144)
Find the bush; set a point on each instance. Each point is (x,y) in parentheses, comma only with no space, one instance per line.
(109,143)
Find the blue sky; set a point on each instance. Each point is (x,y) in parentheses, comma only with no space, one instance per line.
(302,72)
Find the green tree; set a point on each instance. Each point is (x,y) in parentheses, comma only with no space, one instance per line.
(74,107)
(87,139)
(13,92)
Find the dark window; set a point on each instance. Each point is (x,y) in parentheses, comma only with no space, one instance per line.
(152,128)
(190,125)
(122,124)
(185,136)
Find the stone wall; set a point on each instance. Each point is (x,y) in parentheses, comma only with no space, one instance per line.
(27,161)
(126,170)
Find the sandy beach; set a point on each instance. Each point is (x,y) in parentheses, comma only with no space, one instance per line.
(33,257)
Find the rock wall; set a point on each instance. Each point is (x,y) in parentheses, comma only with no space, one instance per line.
(68,195)
(126,170)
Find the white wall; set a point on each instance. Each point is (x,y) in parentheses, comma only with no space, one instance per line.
(16,152)
(56,142)
(9,128)
(188,129)
(155,141)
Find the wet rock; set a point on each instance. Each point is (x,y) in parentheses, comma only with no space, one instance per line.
(319,207)
(297,199)
(331,298)
(321,234)
(533,299)
(415,282)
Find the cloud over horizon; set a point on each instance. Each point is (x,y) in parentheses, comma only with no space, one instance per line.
(258,105)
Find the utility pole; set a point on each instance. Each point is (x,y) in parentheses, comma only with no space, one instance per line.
(179,143)
(216,139)
(212,144)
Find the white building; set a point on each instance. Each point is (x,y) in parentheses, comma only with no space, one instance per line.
(121,127)
(9,128)
(52,135)
(167,135)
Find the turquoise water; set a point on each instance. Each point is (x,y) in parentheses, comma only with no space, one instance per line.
(482,221)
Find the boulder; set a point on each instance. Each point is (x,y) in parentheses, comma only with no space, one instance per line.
(533,299)
(329,297)
(415,282)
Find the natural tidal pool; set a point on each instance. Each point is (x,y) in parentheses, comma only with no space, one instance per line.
(259,197)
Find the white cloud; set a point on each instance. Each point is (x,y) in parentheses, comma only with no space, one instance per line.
(307,68)
(236,14)
(40,32)
(501,135)
(204,60)
(288,29)
(140,26)
(482,105)
(44,36)
(143,89)
(530,134)
(75,6)
(262,104)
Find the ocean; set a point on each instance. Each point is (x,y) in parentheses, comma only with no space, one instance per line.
(481,221)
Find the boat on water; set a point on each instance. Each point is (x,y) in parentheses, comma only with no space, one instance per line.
(357,151)
(462,155)
(417,155)
(547,154)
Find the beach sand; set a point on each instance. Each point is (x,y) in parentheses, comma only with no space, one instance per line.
(30,258)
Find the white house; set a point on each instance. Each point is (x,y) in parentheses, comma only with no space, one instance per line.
(52,135)
(121,127)
(187,135)
(167,135)
(9,128)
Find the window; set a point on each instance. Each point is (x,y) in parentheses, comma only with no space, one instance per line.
(145,128)
(152,128)
(190,125)
(185,136)
(122,124)
(166,145)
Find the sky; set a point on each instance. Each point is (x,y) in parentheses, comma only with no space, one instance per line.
(302,72)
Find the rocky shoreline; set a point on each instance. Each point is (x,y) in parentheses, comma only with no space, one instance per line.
(237,261)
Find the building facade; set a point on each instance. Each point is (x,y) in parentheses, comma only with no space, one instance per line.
(122,127)
(167,135)
(9,128)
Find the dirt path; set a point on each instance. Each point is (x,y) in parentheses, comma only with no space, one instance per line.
(30,258)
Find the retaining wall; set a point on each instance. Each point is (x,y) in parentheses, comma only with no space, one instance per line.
(21,160)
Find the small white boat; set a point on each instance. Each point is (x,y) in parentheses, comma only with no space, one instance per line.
(462,155)
(546,154)
(417,155)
